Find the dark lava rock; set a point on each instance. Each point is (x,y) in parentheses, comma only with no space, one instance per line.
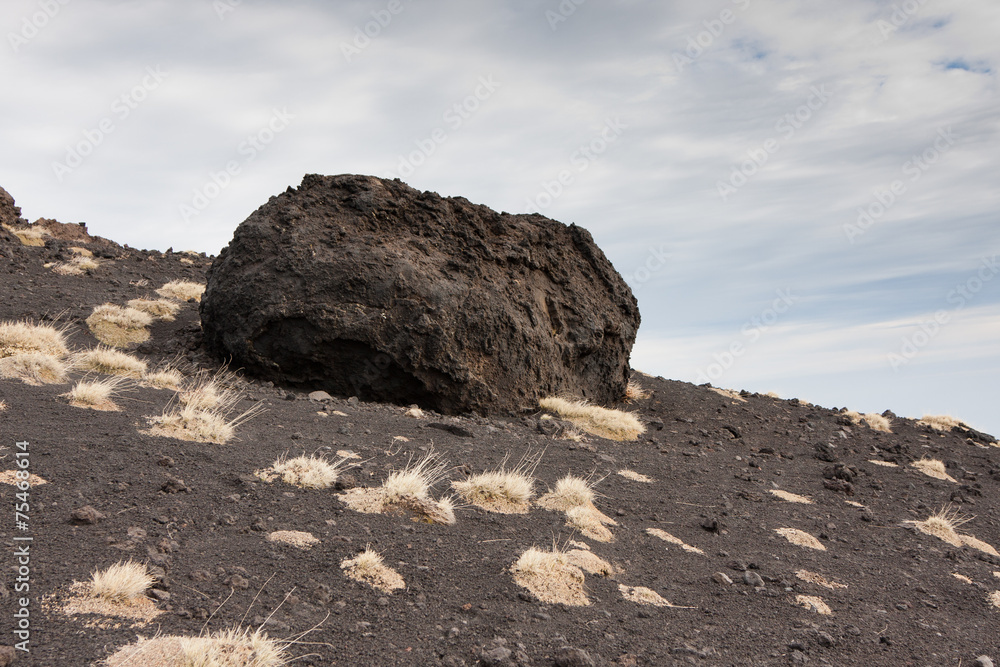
(365,287)
(9,213)
(569,656)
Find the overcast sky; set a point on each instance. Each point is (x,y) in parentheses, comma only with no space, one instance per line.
(803,195)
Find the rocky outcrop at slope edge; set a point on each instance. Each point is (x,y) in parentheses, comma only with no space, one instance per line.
(362,286)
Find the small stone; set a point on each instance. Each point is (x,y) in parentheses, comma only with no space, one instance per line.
(238,581)
(721,578)
(569,656)
(7,656)
(798,658)
(175,485)
(159,595)
(752,579)
(824,639)
(166,462)
(628,659)
(983,661)
(86,515)
(496,657)
(320,396)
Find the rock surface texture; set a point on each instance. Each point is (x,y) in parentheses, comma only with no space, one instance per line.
(362,286)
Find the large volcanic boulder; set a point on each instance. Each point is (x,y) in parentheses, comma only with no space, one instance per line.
(9,213)
(362,286)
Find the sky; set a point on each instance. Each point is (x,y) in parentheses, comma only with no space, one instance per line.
(803,195)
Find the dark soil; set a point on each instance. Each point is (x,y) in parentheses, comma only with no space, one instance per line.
(714,460)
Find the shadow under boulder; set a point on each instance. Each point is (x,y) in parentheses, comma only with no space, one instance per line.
(362,286)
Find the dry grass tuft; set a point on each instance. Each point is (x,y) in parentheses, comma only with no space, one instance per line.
(933,468)
(642,595)
(228,648)
(20,337)
(884,464)
(944,526)
(550,577)
(182,290)
(308,472)
(874,420)
(159,308)
(119,327)
(165,378)
(82,252)
(407,490)
(773,394)
(635,392)
(34,368)
(76,266)
(109,362)
(610,424)
(95,394)
(729,393)
(415,412)
(813,603)
(589,562)
(502,490)
(591,522)
(121,582)
(994,599)
(818,579)
(31,236)
(635,476)
(791,497)
(296,538)
(3,405)
(961,577)
(800,538)
(667,537)
(10,477)
(194,425)
(570,492)
(940,422)
(367,567)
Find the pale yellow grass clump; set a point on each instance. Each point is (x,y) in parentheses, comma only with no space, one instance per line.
(165,378)
(95,394)
(575,497)
(813,603)
(502,490)
(19,337)
(791,497)
(227,648)
(729,393)
(874,420)
(34,368)
(109,361)
(940,422)
(961,577)
(3,405)
(121,582)
(414,412)
(603,422)
(296,538)
(186,422)
(308,472)
(368,567)
(800,538)
(163,309)
(407,490)
(117,326)
(550,577)
(635,392)
(10,477)
(994,599)
(642,595)
(944,526)
(82,252)
(182,290)
(76,266)
(818,579)
(591,522)
(667,537)
(31,236)
(635,476)
(589,562)
(884,464)
(933,468)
